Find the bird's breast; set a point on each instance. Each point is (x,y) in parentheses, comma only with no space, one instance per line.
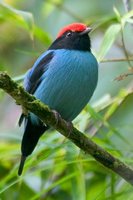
(69,82)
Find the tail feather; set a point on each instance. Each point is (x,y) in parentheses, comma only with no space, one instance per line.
(21,119)
(21,166)
(30,139)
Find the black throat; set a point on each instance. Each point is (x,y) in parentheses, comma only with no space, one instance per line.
(72,41)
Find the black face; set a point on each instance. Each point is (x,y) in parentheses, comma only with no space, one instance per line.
(72,40)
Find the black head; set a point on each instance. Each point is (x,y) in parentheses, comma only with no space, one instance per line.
(76,38)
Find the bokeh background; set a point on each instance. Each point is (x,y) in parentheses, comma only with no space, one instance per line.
(58,169)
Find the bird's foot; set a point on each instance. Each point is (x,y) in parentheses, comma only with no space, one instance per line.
(70,128)
(57,116)
(68,124)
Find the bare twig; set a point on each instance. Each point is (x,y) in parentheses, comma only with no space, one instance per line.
(30,103)
(124,47)
(128,7)
(123,76)
(116,60)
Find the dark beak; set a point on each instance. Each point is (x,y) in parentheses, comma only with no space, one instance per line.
(86,31)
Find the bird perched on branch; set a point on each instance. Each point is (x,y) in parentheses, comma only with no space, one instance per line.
(64,77)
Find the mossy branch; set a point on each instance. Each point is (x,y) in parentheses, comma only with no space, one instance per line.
(30,103)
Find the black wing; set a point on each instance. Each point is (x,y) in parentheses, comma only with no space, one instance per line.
(33,77)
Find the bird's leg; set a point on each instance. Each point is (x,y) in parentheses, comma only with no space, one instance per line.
(25,111)
(23,115)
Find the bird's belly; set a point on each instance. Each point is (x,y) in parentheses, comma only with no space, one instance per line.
(67,93)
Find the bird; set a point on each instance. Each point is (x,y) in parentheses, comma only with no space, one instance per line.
(64,77)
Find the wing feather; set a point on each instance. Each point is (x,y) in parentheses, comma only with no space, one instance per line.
(34,76)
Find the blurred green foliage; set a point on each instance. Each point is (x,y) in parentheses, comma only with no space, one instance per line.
(58,169)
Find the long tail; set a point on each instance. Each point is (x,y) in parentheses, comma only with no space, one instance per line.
(31,136)
(21,166)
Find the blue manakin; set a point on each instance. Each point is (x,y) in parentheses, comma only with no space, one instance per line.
(64,77)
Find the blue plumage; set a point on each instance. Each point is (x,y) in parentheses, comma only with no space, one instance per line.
(64,77)
(68,82)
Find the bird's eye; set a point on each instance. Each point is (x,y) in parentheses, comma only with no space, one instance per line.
(69,34)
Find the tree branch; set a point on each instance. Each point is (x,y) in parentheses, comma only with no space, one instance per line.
(30,103)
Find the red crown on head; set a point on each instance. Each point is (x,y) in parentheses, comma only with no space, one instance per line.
(75,27)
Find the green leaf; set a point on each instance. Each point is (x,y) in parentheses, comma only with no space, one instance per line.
(22,18)
(42,36)
(108,40)
(78,182)
(130,21)
(25,20)
(117,14)
(127,17)
(55,184)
